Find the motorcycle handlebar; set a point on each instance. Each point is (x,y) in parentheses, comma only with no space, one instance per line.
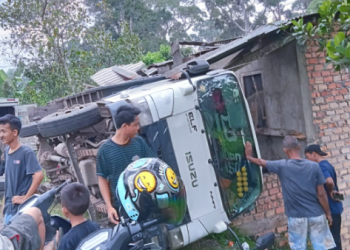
(151,223)
(59,188)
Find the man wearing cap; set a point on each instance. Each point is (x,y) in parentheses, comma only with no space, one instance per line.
(305,199)
(314,153)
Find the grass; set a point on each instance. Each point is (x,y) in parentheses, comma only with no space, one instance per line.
(220,241)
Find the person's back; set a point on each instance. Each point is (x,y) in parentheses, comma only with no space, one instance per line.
(299,179)
(305,200)
(75,200)
(314,153)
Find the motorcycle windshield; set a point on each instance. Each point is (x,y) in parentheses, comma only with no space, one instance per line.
(225,117)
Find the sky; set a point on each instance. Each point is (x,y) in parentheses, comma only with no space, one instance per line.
(5,65)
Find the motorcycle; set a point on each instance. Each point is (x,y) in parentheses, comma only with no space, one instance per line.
(132,235)
(127,235)
(53,223)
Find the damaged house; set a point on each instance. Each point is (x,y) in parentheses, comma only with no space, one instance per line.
(291,91)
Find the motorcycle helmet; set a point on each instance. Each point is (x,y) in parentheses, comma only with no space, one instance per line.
(149,186)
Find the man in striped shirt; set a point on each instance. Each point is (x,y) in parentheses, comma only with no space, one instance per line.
(117,153)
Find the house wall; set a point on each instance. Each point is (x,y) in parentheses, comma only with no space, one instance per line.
(310,98)
(331,107)
(285,87)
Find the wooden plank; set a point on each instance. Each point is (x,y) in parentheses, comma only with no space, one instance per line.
(280,132)
(176,53)
(125,73)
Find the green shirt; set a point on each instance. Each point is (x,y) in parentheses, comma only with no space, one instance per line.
(112,159)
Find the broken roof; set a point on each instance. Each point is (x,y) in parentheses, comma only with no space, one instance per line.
(238,44)
(117,74)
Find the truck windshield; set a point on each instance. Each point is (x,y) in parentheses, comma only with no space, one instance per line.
(228,128)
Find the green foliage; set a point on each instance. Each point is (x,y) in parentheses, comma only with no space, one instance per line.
(331,32)
(314,6)
(59,50)
(164,54)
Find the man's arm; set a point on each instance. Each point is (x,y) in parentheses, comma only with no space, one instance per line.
(112,213)
(37,178)
(330,185)
(249,155)
(322,197)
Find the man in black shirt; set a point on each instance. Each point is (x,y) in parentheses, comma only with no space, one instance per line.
(75,200)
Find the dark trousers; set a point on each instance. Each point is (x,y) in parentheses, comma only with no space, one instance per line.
(335,230)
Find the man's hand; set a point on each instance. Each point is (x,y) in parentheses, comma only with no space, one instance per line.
(18,199)
(248,149)
(332,193)
(113,215)
(330,219)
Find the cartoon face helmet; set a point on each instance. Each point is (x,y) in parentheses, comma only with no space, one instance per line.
(149,186)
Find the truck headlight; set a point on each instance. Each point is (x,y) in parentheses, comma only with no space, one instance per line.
(96,240)
(176,238)
(145,115)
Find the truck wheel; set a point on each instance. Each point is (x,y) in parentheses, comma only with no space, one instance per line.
(69,121)
(29,130)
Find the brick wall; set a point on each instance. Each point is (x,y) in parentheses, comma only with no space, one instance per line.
(330,105)
(268,213)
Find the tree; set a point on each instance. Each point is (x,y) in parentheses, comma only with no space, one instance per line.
(53,39)
(331,32)
(314,6)
(156,22)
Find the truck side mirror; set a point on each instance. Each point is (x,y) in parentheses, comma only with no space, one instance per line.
(265,241)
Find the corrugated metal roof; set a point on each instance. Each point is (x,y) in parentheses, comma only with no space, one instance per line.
(108,76)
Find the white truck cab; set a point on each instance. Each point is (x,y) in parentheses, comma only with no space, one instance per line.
(208,124)
(197,125)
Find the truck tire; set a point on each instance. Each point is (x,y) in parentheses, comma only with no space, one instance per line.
(29,130)
(70,121)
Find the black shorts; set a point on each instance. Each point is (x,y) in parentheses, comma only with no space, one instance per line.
(23,232)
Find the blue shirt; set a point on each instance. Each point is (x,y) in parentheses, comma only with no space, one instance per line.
(299,181)
(19,169)
(336,207)
(71,240)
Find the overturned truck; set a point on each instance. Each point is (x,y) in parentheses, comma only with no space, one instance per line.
(197,124)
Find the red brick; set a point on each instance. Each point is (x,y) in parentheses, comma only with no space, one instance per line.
(339,85)
(335,92)
(308,55)
(280,210)
(332,86)
(323,126)
(315,74)
(347,84)
(327,78)
(319,67)
(312,61)
(339,98)
(310,68)
(330,99)
(270,213)
(274,191)
(332,125)
(322,60)
(325,93)
(282,229)
(312,81)
(343,91)
(345,77)
(259,216)
(326,73)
